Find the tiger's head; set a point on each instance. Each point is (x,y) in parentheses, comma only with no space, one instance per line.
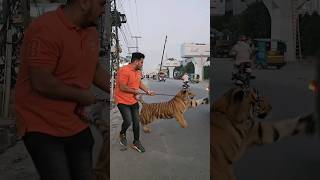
(242,104)
(185,94)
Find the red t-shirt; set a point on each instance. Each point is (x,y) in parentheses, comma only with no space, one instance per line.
(130,77)
(53,42)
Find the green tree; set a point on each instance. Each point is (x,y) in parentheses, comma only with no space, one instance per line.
(256,21)
(189,68)
(309,34)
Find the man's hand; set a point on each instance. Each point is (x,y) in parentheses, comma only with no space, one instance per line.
(151,93)
(136,92)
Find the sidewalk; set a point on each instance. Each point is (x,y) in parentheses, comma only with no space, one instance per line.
(16,164)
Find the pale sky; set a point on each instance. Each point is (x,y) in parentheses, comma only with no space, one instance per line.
(181,20)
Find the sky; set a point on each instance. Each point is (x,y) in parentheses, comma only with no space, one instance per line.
(183,21)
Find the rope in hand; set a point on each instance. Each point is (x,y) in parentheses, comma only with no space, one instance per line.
(158,94)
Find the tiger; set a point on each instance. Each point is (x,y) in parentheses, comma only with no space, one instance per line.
(97,116)
(173,108)
(234,128)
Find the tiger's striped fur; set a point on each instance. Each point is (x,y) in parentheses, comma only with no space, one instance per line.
(234,129)
(173,108)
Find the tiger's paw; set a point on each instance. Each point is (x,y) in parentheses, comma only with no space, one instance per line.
(206,101)
(146,129)
(310,124)
(184,125)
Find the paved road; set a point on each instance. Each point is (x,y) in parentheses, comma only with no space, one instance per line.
(294,158)
(172,153)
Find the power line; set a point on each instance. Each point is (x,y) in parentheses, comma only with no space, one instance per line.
(137,45)
(138,31)
(124,37)
(128,28)
(130,9)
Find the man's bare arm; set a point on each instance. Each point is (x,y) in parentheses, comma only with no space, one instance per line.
(101,79)
(143,87)
(127,89)
(43,82)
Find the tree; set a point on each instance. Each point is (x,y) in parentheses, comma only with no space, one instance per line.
(309,34)
(189,68)
(256,21)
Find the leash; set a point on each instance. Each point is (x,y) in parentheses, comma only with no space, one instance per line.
(158,94)
(108,100)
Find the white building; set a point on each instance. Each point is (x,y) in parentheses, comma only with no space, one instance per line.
(217,7)
(197,53)
(171,63)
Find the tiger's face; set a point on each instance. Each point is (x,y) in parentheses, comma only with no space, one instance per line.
(251,102)
(186,94)
(242,104)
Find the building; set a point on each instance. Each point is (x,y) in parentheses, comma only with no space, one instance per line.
(197,54)
(217,7)
(236,7)
(312,6)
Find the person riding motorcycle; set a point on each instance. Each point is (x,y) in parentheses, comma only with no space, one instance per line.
(241,52)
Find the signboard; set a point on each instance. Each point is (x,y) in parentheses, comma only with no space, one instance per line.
(171,63)
(189,50)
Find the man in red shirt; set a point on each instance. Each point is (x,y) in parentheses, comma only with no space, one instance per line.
(127,88)
(60,62)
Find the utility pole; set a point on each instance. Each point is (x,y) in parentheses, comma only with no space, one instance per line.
(117,19)
(164,46)
(117,37)
(136,37)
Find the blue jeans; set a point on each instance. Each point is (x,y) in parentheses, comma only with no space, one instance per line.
(130,113)
(61,158)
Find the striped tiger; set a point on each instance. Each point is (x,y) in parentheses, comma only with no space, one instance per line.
(234,128)
(98,116)
(173,108)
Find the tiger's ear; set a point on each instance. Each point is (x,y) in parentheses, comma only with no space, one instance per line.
(237,96)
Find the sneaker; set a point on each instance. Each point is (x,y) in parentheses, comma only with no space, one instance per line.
(138,146)
(123,140)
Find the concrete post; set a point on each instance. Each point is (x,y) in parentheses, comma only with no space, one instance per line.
(8,65)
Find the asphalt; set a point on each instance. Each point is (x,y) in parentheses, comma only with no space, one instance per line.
(294,158)
(172,153)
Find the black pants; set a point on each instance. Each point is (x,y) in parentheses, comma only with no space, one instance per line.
(130,113)
(61,158)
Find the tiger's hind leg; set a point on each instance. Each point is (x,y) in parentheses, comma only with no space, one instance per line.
(181,120)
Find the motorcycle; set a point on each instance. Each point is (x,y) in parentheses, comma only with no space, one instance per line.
(242,76)
(162,77)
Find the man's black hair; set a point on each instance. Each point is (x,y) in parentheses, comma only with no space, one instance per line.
(136,56)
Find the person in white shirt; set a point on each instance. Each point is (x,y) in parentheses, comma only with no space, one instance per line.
(185,77)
